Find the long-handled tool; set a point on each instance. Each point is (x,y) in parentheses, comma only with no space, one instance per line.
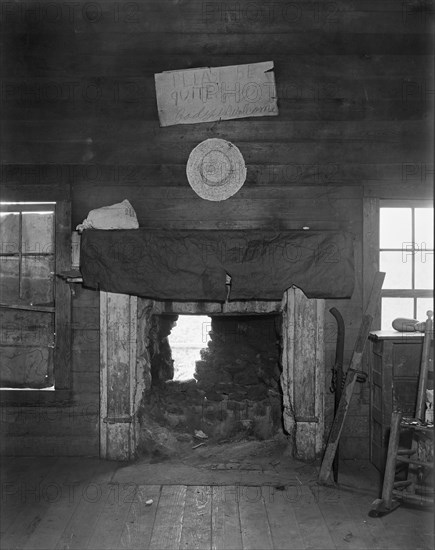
(337,375)
(351,377)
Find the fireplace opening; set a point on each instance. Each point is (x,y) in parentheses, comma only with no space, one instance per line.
(188,336)
(233,393)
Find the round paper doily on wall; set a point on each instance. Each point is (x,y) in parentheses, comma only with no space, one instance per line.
(216,169)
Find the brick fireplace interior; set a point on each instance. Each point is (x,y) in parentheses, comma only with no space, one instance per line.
(233,395)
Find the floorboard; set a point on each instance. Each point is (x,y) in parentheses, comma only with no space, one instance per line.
(116,503)
(61,505)
(39,495)
(313,529)
(256,533)
(226,532)
(340,521)
(368,528)
(16,486)
(79,504)
(169,518)
(90,497)
(141,517)
(196,530)
(409,528)
(282,519)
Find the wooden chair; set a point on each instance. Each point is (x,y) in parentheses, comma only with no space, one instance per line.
(415,460)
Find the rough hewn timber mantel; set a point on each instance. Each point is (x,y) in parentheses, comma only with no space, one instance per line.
(193,265)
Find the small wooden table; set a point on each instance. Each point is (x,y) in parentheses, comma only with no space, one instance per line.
(393,375)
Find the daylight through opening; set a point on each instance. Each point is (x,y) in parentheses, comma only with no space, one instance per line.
(189,335)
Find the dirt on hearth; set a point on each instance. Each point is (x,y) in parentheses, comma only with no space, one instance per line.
(249,463)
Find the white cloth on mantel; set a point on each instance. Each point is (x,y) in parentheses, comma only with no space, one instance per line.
(117,216)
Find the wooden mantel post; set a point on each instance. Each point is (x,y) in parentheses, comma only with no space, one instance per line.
(303,375)
(118,340)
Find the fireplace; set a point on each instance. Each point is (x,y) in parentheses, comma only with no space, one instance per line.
(234,392)
(261,374)
(142,272)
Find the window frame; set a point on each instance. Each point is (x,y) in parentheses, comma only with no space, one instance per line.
(62,360)
(371,249)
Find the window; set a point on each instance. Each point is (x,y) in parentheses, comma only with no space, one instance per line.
(35,305)
(406,255)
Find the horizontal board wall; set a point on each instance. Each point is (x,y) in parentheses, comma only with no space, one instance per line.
(79,122)
(71,428)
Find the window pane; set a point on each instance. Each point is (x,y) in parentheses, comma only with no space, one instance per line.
(38,232)
(423,306)
(423,270)
(26,367)
(398,269)
(27,337)
(395,227)
(9,231)
(37,280)
(9,279)
(26,328)
(392,308)
(424,227)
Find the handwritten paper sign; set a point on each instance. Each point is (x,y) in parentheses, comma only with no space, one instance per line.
(216,93)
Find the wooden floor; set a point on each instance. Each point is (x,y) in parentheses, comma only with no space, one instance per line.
(77,503)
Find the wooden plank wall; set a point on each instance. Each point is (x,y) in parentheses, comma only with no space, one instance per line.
(355,97)
(70,428)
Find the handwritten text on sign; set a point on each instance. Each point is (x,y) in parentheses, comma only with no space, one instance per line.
(216,93)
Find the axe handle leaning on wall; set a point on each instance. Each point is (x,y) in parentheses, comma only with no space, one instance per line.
(337,424)
(337,374)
